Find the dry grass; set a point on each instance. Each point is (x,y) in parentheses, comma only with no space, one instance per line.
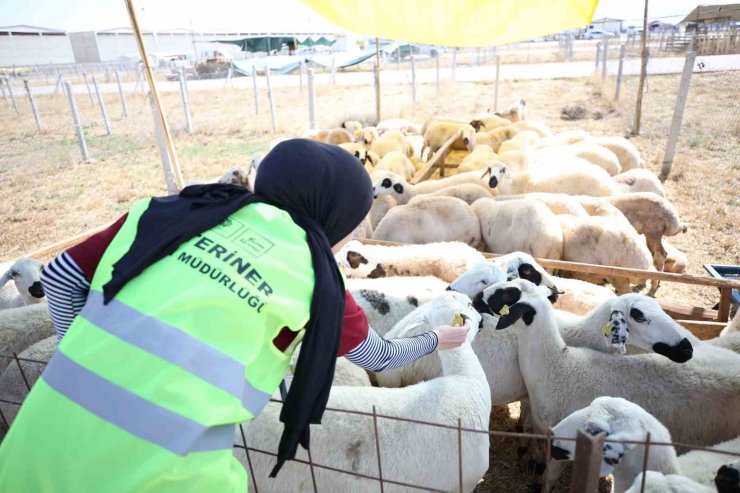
(51,195)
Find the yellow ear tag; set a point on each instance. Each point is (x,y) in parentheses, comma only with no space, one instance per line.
(607,330)
(505,310)
(458,320)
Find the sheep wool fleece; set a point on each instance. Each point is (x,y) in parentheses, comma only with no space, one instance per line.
(144,392)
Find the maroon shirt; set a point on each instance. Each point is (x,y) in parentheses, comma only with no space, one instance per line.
(355,328)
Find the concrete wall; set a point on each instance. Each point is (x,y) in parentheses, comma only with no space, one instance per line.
(34,49)
(85,47)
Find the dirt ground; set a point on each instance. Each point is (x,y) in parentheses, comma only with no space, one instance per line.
(50,195)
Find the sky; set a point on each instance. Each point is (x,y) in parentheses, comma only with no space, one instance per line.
(250,15)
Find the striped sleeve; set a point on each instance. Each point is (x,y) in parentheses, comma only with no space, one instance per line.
(66,289)
(378,354)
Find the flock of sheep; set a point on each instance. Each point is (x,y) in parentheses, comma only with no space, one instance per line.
(576,354)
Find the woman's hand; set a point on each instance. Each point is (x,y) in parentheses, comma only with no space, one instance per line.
(451,337)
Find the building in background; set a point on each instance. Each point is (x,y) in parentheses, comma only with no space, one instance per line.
(607,24)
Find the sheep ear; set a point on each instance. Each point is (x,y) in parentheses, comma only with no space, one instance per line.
(616,331)
(480,305)
(503,297)
(522,310)
(355,259)
(528,272)
(6,277)
(613,452)
(486,173)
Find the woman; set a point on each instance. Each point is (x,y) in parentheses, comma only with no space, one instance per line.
(193,306)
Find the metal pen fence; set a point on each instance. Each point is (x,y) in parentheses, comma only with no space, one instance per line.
(586,462)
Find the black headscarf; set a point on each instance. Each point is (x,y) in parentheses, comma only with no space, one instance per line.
(327,193)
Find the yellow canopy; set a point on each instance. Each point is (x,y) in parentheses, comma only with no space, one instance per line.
(456,22)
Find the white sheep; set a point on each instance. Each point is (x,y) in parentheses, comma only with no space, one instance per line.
(347,441)
(638,180)
(536,126)
(727,479)
(656,482)
(26,288)
(21,327)
(593,153)
(732,326)
(558,203)
(516,160)
(430,219)
(578,177)
(484,122)
(346,373)
(392,140)
(396,162)
(494,138)
(561,379)
(566,137)
(676,261)
(393,184)
(524,140)
(330,136)
(400,124)
(623,420)
(600,241)
(629,156)
(13,383)
(519,225)
(381,205)
(438,133)
(482,157)
(445,260)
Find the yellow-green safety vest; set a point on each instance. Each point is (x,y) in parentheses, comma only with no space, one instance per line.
(144,392)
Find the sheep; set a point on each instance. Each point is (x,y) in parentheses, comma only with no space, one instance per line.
(13,384)
(516,111)
(561,379)
(446,260)
(438,133)
(522,141)
(398,163)
(346,441)
(727,479)
(21,327)
(353,147)
(348,373)
(629,156)
(467,192)
(392,140)
(519,225)
(516,160)
(579,178)
(675,260)
(352,126)
(481,157)
(364,229)
(430,219)
(26,288)
(595,240)
(441,119)
(400,124)
(579,297)
(366,136)
(732,326)
(386,301)
(566,137)
(639,180)
(368,158)
(623,420)
(381,205)
(539,127)
(656,482)
(594,154)
(485,122)
(393,184)
(558,203)
(494,138)
(236,176)
(331,136)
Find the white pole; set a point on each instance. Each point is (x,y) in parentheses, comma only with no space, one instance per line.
(413,81)
(269,99)
(454,64)
(229,75)
(495,90)
(77,122)
(436,60)
(311,100)
(301,69)
(598,56)
(603,65)
(683,91)
(619,72)
(108,129)
(256,94)
(120,95)
(185,103)
(2,89)
(60,81)
(12,97)
(333,71)
(164,155)
(33,105)
(89,92)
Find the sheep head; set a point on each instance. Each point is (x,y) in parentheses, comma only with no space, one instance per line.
(26,274)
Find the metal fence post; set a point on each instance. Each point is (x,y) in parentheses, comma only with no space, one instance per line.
(598,56)
(185,103)
(120,95)
(587,462)
(603,65)
(495,90)
(269,99)
(60,82)
(377,449)
(413,81)
(102,107)
(683,91)
(89,92)
(77,122)
(454,64)
(169,177)
(256,95)
(229,75)
(12,97)
(333,71)
(437,67)
(2,89)
(311,100)
(33,105)
(376,73)
(301,69)
(619,72)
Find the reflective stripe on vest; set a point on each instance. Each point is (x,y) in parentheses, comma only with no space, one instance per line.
(174,346)
(130,412)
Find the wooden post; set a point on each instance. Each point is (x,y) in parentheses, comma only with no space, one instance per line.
(120,95)
(603,64)
(311,100)
(723,313)
(454,64)
(495,89)
(413,82)
(12,97)
(89,91)
(185,103)
(77,122)
(172,167)
(101,103)
(256,94)
(33,105)
(619,72)
(643,74)
(587,462)
(376,72)
(269,99)
(683,92)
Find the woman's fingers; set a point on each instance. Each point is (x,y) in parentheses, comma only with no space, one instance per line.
(451,337)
